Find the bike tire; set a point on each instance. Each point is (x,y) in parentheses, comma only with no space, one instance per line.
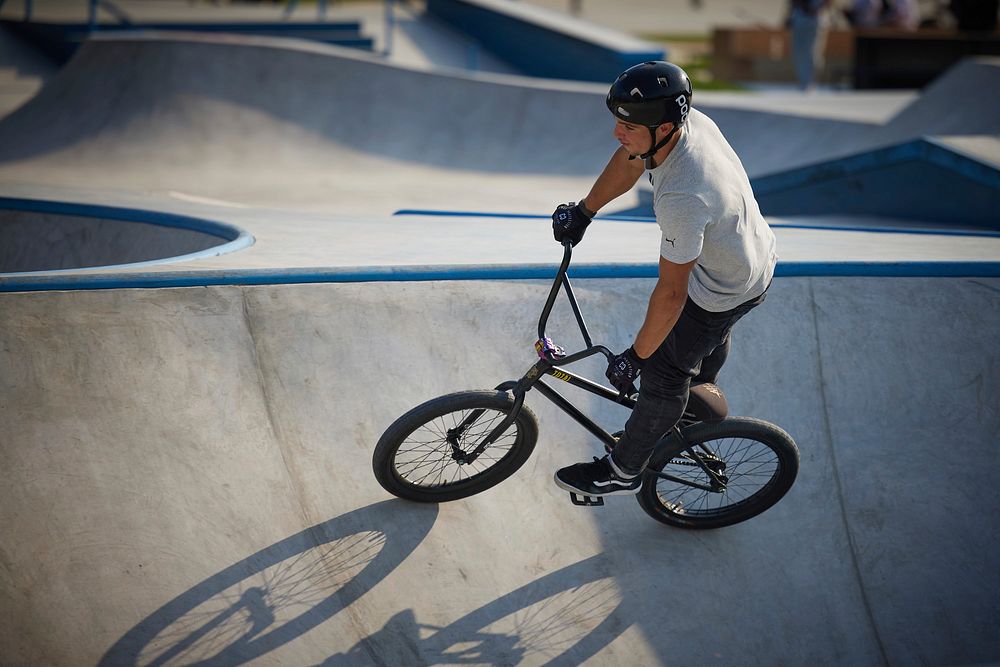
(759,460)
(414,459)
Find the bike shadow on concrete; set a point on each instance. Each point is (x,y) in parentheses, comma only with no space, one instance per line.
(278,594)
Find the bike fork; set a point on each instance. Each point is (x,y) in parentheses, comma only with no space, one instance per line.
(455,434)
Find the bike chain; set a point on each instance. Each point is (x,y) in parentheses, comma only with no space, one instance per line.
(707,460)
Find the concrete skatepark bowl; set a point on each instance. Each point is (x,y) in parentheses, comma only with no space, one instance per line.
(185,447)
(45,237)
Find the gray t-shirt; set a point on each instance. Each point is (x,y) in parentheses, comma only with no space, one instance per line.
(706,210)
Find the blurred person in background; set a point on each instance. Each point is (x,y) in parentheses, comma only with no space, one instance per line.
(807,21)
(864,13)
(896,14)
(901,14)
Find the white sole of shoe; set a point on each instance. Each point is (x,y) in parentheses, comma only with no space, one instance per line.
(618,492)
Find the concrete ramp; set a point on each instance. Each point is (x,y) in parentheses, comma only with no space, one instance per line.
(953,179)
(961,102)
(945,183)
(257,100)
(267,120)
(22,71)
(272,122)
(185,479)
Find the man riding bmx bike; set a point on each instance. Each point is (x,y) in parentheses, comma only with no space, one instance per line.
(717,258)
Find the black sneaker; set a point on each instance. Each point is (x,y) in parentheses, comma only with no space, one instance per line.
(596,479)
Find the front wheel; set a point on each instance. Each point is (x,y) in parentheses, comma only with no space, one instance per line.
(750,465)
(429,454)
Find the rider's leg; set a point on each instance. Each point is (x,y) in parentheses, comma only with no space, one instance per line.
(699,336)
(712,364)
(663,390)
(663,394)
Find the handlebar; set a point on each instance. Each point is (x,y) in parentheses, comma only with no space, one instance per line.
(562,280)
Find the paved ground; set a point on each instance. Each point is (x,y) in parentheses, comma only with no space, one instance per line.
(185,473)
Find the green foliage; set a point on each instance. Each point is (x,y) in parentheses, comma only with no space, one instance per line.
(693,52)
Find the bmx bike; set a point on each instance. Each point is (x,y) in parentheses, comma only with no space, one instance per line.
(711,470)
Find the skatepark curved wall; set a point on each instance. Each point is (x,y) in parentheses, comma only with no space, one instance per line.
(544,43)
(242,112)
(260,103)
(186,477)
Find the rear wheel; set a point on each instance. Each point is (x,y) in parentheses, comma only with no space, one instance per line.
(750,465)
(427,455)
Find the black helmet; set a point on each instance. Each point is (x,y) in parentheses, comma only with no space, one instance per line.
(650,94)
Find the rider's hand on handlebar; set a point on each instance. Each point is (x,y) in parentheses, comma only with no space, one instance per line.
(569,221)
(623,369)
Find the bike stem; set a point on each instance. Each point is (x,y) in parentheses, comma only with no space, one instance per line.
(562,280)
(554,291)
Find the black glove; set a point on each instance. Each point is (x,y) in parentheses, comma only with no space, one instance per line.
(570,222)
(622,371)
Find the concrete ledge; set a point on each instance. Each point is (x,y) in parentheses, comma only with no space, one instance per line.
(367,274)
(544,43)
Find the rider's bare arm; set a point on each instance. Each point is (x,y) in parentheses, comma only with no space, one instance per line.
(665,306)
(618,177)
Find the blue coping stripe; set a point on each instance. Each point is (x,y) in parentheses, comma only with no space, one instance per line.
(218,229)
(778,225)
(236,238)
(151,280)
(92,279)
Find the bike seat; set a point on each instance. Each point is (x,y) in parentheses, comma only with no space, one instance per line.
(707,403)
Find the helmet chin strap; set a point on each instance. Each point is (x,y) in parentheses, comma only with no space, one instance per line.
(647,157)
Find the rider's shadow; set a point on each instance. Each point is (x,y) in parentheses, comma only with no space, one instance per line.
(278,594)
(402,642)
(563,618)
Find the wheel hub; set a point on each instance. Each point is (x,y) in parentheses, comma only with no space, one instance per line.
(457,453)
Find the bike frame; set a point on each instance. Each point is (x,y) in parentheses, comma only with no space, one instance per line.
(551,358)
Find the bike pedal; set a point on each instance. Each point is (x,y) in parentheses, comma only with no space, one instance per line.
(586,501)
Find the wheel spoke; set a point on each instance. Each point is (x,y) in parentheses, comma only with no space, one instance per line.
(425,458)
(750,468)
(436,452)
